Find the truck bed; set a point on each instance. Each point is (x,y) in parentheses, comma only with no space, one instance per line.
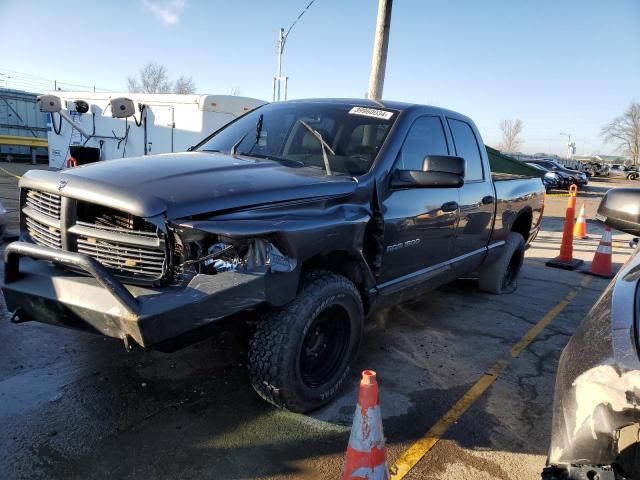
(498,177)
(516,193)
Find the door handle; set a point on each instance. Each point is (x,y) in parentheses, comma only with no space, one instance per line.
(488,200)
(449,207)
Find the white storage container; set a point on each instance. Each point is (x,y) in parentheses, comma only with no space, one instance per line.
(173,123)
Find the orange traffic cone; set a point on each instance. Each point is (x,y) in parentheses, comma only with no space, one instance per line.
(565,259)
(601,265)
(366,457)
(580,230)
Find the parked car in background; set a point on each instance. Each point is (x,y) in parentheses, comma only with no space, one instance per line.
(629,173)
(551,180)
(575,177)
(595,169)
(596,419)
(560,179)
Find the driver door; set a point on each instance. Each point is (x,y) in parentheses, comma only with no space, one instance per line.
(419,232)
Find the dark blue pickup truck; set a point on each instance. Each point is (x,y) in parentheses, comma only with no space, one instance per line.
(309,214)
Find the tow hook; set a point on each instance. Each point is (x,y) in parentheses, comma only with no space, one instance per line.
(15,317)
(129,343)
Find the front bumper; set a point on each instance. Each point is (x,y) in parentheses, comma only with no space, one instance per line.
(100,303)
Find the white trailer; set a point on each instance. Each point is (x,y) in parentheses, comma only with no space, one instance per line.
(162,123)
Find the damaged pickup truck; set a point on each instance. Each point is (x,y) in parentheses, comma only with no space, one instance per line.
(596,410)
(308,214)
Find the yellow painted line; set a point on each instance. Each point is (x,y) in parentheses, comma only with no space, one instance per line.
(10,174)
(422,446)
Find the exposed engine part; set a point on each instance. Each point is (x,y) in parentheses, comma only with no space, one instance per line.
(279,262)
(255,256)
(225,258)
(265,255)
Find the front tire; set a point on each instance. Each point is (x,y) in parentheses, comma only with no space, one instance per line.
(502,275)
(301,354)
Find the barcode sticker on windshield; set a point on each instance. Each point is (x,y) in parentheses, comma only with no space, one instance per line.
(371,112)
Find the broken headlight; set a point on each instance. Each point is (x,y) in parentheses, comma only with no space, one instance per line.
(247,256)
(220,258)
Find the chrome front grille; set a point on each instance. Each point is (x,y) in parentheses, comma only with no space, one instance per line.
(43,234)
(125,259)
(43,202)
(125,244)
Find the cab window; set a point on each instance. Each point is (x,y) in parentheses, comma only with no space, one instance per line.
(467,147)
(426,137)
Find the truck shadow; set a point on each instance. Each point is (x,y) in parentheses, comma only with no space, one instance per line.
(193,414)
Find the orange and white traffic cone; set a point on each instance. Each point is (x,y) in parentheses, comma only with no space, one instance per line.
(366,457)
(565,260)
(601,265)
(580,230)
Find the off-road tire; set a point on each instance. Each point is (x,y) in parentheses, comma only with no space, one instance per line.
(500,276)
(275,348)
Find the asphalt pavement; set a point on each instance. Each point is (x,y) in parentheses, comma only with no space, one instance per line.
(78,406)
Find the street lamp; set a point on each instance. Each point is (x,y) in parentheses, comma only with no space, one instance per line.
(282,39)
(571,146)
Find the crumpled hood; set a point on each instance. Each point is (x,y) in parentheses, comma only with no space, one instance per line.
(186,184)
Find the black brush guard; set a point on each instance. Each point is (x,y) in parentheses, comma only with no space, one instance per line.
(100,303)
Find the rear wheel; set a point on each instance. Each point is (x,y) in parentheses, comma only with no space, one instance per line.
(301,354)
(502,275)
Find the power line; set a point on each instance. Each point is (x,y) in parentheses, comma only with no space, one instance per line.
(296,20)
(27,77)
(36,81)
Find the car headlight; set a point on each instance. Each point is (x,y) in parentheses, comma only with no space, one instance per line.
(212,254)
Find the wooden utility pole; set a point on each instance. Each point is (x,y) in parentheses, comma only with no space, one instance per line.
(380,46)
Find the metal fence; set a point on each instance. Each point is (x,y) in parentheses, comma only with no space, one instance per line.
(21,122)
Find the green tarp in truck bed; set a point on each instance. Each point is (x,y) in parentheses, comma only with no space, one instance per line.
(501,163)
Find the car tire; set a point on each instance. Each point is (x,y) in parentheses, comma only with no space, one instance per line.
(301,354)
(501,276)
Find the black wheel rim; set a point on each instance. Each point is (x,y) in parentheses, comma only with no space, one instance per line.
(513,269)
(325,346)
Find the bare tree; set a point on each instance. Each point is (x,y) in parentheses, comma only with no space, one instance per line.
(624,132)
(184,85)
(511,130)
(235,91)
(153,78)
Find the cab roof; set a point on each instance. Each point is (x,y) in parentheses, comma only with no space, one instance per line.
(390,104)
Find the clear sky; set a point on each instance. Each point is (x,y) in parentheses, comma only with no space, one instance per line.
(559,65)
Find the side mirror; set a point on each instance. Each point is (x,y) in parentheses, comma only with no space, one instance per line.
(620,209)
(438,171)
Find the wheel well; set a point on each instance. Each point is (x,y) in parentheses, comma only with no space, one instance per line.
(522,224)
(343,263)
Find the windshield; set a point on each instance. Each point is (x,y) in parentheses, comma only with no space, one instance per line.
(346,138)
